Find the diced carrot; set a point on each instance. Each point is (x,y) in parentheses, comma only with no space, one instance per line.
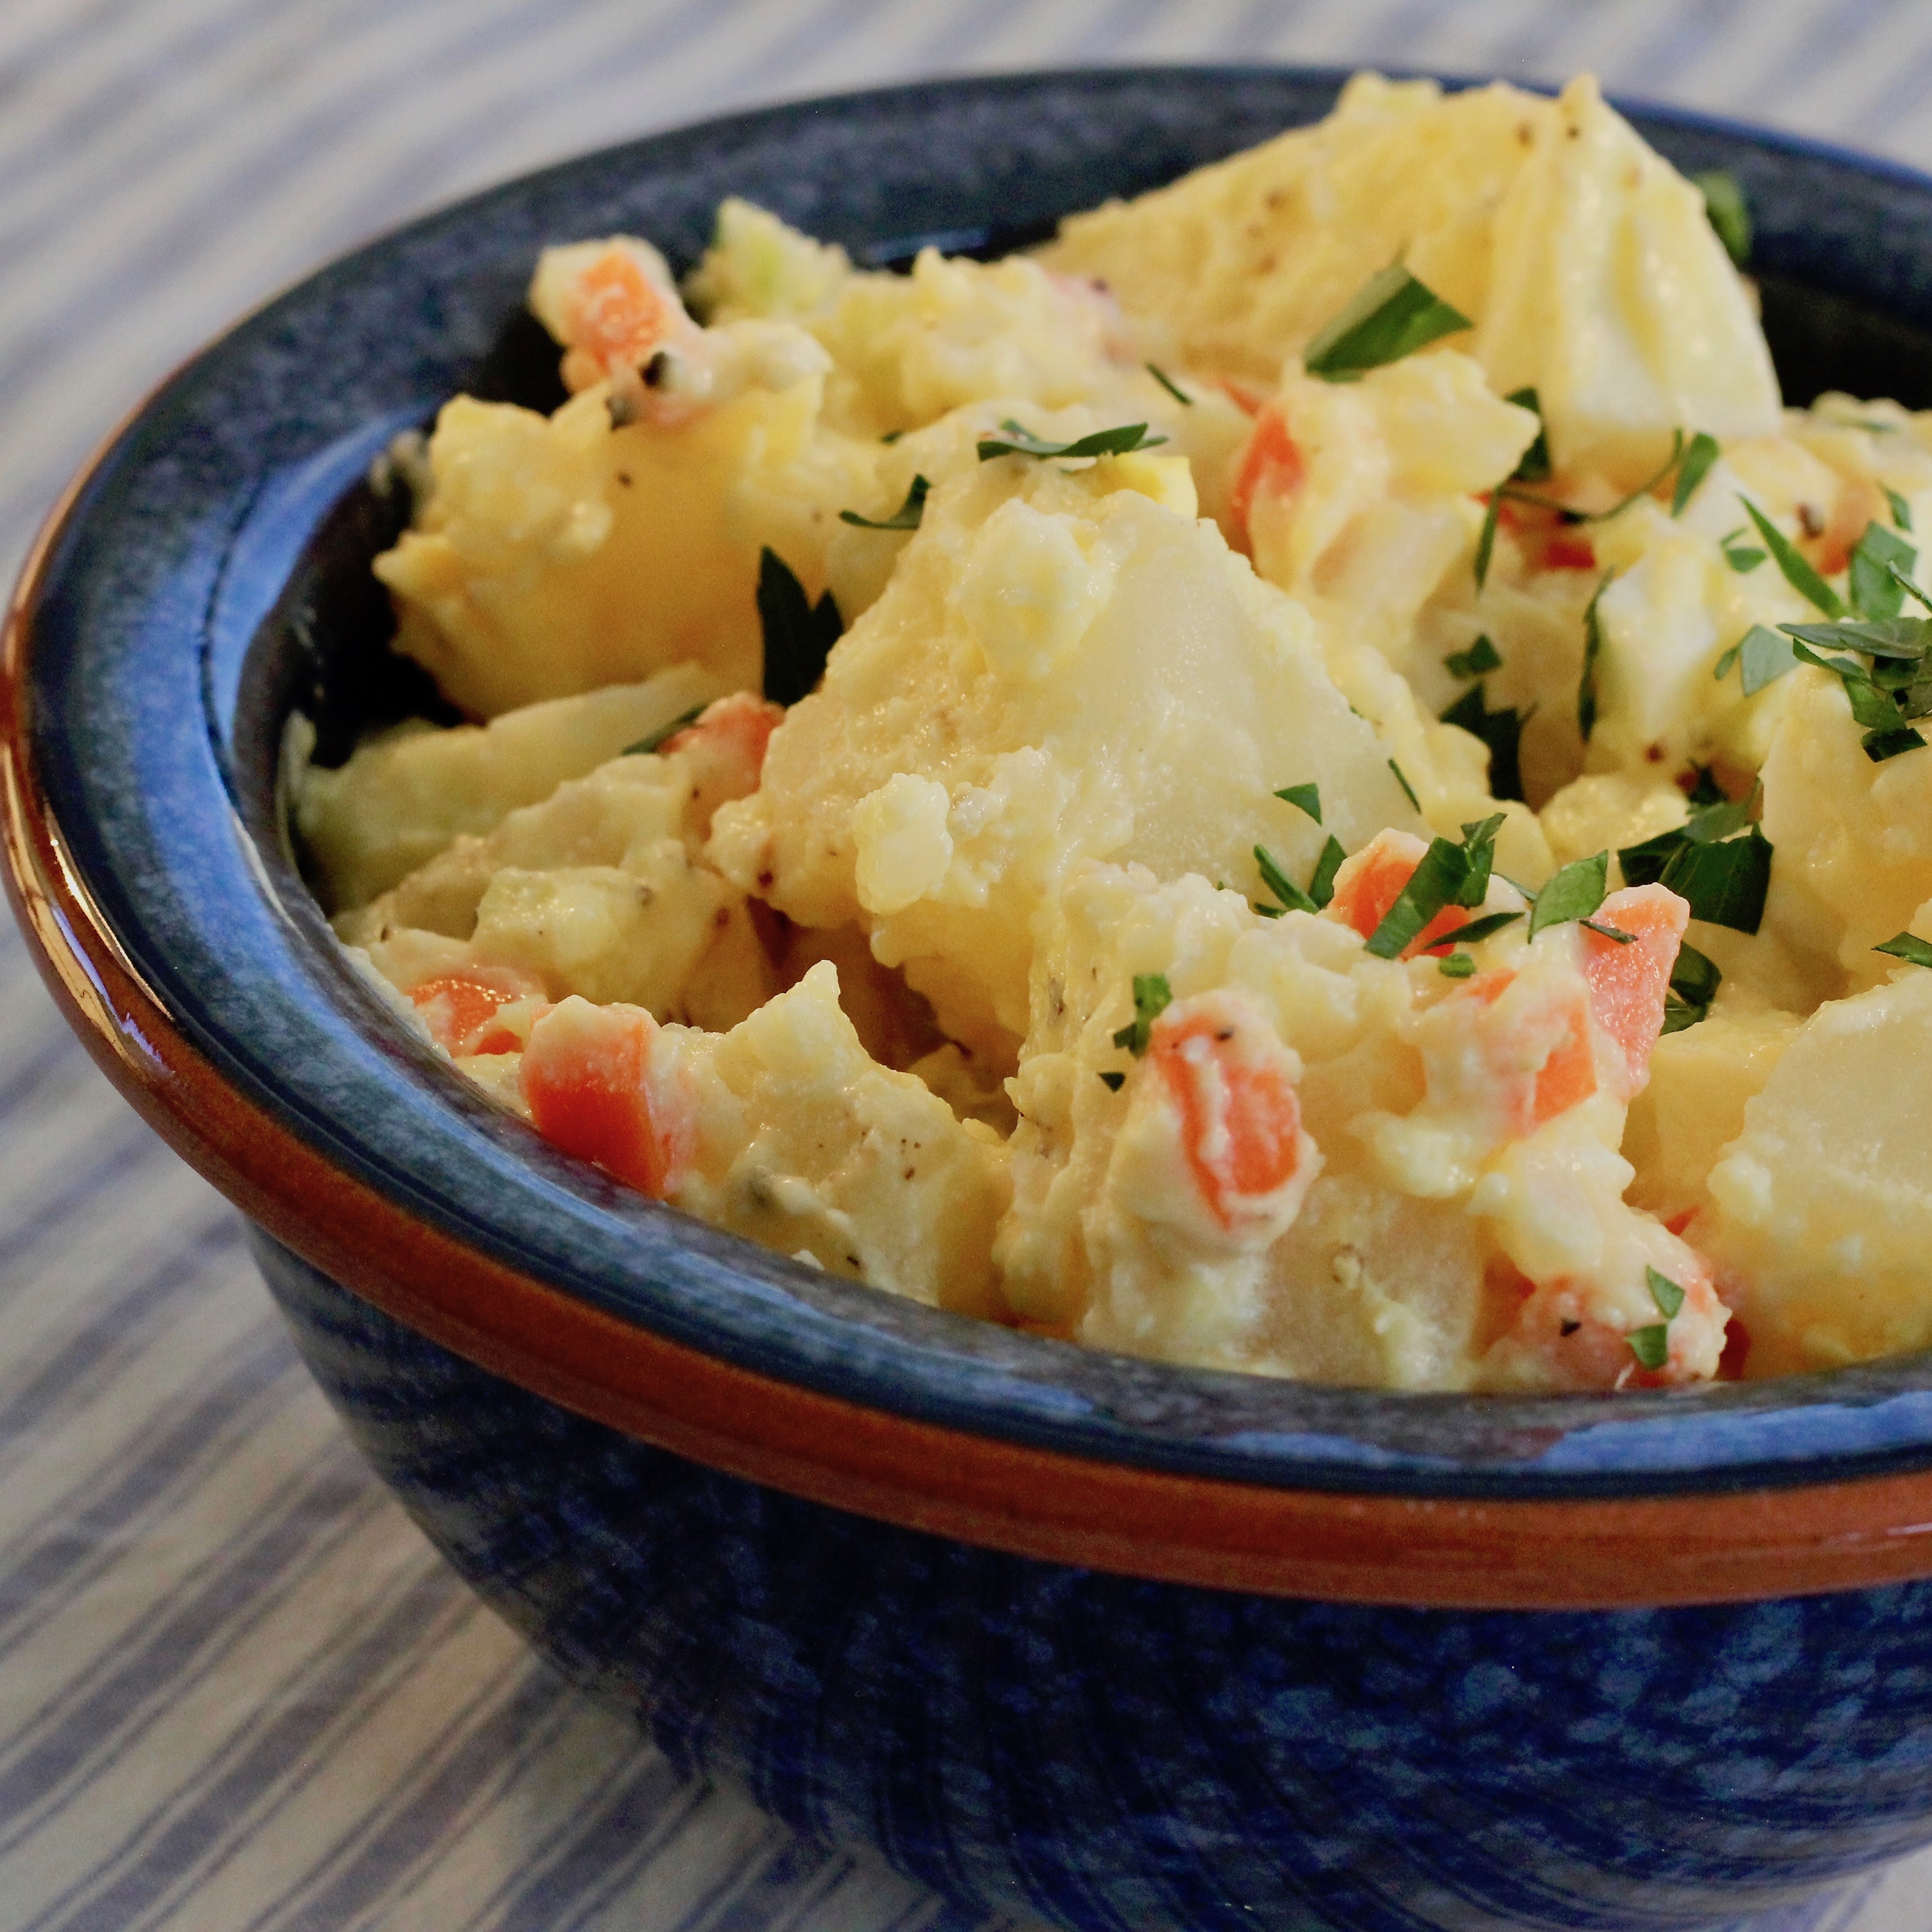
(1229,1078)
(616,315)
(738,727)
(1368,883)
(584,1076)
(461,1009)
(1566,1077)
(1271,465)
(1628,981)
(1246,397)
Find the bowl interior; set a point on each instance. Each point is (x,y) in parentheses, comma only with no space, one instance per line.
(215,577)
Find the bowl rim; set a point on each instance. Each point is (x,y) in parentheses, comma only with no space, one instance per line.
(1287,1521)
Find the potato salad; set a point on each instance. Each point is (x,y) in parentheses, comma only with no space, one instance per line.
(1316,777)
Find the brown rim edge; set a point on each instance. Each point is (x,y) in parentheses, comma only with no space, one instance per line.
(1531,1555)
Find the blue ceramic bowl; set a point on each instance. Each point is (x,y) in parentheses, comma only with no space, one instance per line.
(1122,1645)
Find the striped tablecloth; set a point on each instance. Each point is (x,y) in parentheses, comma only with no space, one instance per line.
(237,1689)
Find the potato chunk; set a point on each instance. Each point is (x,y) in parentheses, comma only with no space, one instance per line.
(1060,667)
(404,795)
(1584,261)
(555,554)
(1824,1203)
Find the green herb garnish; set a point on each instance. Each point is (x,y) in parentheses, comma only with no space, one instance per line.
(1694,981)
(1723,884)
(1113,1082)
(1728,212)
(1489,923)
(1799,575)
(1650,1346)
(1391,315)
(1908,947)
(799,634)
(1485,542)
(1534,467)
(1291,895)
(1408,791)
(1765,654)
(1574,892)
(1896,689)
(1152,997)
(1020,441)
(1305,798)
(1880,568)
(1481,656)
(1743,558)
(1593,648)
(651,740)
(1448,875)
(905,517)
(1704,789)
(1692,471)
(1665,1292)
(1901,510)
(1501,731)
(1172,388)
(1321,886)
(1456,966)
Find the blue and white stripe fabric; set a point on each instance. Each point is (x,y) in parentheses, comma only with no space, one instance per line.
(238,1691)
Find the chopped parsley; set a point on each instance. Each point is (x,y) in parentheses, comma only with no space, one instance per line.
(1722,877)
(1880,568)
(1728,212)
(1698,458)
(1448,875)
(1172,388)
(1321,886)
(1723,884)
(1113,1082)
(1152,997)
(1534,467)
(799,634)
(1650,1346)
(1694,981)
(1901,510)
(1691,461)
(1895,688)
(1408,791)
(1485,543)
(1304,798)
(1391,315)
(1765,655)
(1490,923)
(1500,730)
(1481,656)
(1799,575)
(1743,558)
(1291,897)
(1020,441)
(1574,892)
(1908,947)
(1665,1292)
(651,740)
(905,517)
(1593,648)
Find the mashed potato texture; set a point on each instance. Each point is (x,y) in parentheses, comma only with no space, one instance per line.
(1315,778)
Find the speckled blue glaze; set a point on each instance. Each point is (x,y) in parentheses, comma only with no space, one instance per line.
(1113,1752)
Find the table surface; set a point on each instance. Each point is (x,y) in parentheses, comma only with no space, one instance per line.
(237,1688)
